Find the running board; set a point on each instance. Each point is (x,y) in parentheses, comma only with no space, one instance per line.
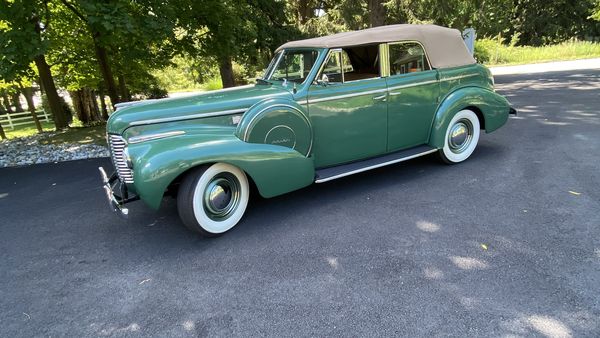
(331,173)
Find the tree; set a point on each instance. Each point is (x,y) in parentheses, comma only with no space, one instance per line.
(28,93)
(242,31)
(2,133)
(129,40)
(376,13)
(23,28)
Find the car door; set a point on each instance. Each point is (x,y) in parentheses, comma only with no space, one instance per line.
(349,117)
(413,91)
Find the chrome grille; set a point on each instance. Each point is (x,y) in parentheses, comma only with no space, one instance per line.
(117,145)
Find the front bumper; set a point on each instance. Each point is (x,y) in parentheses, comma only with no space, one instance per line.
(116,201)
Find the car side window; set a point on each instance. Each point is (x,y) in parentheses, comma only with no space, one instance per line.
(333,68)
(407,57)
(351,64)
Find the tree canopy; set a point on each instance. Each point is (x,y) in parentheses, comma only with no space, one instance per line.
(115,47)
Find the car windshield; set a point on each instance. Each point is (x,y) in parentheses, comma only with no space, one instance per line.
(291,65)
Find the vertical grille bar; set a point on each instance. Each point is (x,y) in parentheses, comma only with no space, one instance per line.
(117,145)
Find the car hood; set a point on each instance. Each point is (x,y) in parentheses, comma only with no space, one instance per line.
(208,104)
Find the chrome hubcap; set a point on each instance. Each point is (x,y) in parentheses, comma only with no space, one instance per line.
(460,136)
(221,196)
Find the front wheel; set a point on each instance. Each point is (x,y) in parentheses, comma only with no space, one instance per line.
(212,200)
(461,137)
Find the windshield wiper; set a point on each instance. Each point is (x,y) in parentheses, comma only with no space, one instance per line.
(263,81)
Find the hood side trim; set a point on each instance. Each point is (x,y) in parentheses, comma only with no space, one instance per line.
(189,117)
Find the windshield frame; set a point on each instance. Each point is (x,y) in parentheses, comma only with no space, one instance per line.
(278,57)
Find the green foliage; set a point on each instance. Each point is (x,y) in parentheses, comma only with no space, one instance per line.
(213,83)
(20,38)
(155,45)
(494,52)
(596,11)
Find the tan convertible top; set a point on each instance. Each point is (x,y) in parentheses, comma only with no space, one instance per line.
(444,46)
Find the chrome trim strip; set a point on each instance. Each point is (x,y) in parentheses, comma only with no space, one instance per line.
(189,117)
(408,85)
(143,138)
(458,77)
(348,173)
(323,99)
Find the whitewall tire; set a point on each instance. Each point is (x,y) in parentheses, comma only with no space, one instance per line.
(461,137)
(212,199)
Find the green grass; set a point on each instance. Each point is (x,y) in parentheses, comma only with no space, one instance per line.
(82,135)
(75,134)
(27,130)
(492,53)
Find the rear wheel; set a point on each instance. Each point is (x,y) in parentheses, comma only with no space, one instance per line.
(461,137)
(212,199)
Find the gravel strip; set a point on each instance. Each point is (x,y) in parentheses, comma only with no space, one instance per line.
(28,150)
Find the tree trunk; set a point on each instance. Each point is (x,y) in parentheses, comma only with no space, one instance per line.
(305,11)
(58,113)
(107,74)
(16,99)
(226,71)
(78,106)
(84,102)
(28,93)
(94,106)
(376,13)
(123,89)
(2,112)
(7,103)
(3,109)
(103,103)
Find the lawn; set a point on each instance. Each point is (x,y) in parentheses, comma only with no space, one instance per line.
(492,53)
(75,134)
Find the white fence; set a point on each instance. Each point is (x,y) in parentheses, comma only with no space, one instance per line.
(12,120)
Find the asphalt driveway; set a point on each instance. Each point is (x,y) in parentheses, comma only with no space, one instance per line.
(505,244)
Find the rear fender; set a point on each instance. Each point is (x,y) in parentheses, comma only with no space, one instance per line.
(494,108)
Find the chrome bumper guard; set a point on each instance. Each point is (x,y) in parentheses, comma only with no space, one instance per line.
(116,202)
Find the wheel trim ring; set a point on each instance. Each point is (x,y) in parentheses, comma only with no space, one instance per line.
(455,134)
(223,183)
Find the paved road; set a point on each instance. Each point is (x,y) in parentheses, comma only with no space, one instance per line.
(396,251)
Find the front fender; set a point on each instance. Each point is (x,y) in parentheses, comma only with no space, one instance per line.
(277,121)
(274,169)
(494,108)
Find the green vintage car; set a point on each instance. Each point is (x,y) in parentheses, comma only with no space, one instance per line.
(326,108)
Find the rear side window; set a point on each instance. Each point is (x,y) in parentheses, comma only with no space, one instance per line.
(407,57)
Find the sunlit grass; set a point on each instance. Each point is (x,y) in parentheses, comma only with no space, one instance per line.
(82,135)
(77,133)
(27,130)
(572,50)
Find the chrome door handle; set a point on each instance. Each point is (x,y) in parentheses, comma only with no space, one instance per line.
(379,98)
(395,93)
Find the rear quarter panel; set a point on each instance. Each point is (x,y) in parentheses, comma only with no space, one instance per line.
(468,87)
